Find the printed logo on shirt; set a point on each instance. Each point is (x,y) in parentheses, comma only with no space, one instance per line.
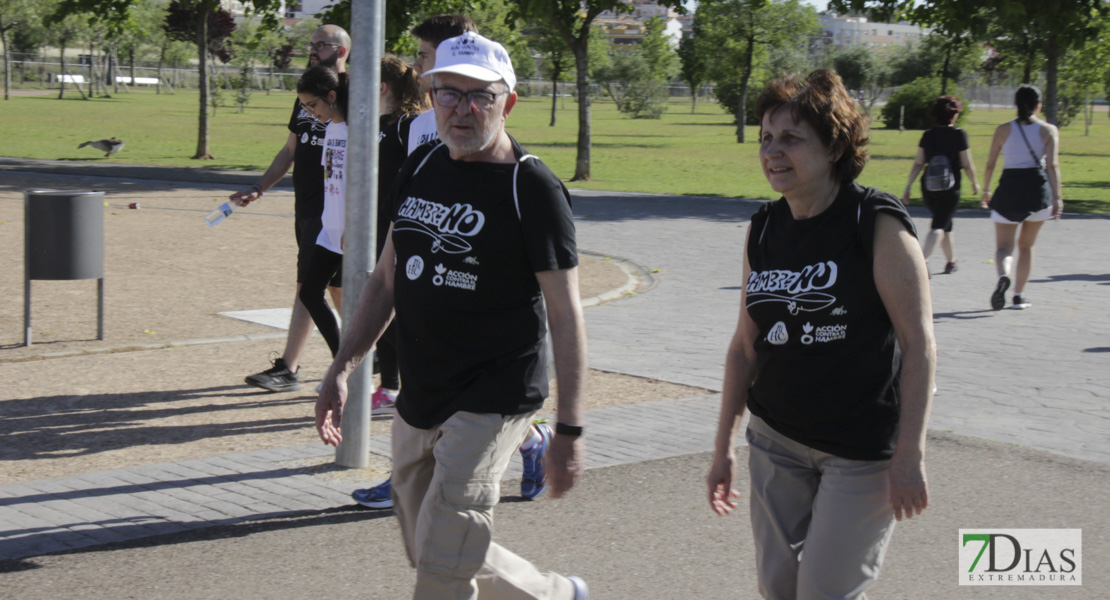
(381,136)
(448,226)
(470,260)
(455,279)
(807,331)
(778,334)
(314,124)
(839,311)
(414,267)
(796,289)
(424,138)
(831,333)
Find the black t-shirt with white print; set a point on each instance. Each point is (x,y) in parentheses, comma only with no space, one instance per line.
(828,365)
(308,173)
(469,238)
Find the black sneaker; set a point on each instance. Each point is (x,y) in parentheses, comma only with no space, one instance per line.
(950,268)
(998,298)
(1021,302)
(276,379)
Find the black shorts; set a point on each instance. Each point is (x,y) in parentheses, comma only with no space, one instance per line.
(942,205)
(307,230)
(1021,193)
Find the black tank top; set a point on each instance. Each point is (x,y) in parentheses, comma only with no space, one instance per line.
(827,356)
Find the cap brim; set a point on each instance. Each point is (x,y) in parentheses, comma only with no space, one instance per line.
(472,71)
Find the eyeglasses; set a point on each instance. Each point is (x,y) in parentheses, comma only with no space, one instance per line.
(450,97)
(318,46)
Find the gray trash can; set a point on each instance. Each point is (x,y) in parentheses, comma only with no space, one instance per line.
(63,240)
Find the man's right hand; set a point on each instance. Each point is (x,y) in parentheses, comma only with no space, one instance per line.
(245,197)
(329,408)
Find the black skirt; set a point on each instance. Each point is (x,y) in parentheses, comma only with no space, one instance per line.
(1021,192)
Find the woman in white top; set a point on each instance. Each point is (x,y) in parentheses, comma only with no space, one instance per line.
(1028,192)
(323,92)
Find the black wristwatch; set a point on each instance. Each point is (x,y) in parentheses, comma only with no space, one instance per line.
(568,430)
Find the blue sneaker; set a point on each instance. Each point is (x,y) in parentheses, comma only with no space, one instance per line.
(534,481)
(375,497)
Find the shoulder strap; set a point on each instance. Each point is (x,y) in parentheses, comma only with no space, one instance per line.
(1027,144)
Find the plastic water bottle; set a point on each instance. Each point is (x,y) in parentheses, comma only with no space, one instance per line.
(224,211)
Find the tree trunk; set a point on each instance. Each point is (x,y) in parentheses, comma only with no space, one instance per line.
(1027,74)
(742,109)
(944,71)
(161,61)
(693,99)
(202,54)
(113,70)
(62,69)
(581,61)
(1087,114)
(554,94)
(131,59)
(1052,59)
(7,64)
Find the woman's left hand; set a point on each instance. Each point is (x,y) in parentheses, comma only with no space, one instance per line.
(1058,209)
(909,491)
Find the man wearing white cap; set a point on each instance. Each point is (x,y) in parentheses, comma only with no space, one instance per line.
(482,237)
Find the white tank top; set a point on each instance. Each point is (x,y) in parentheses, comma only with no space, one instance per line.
(1014,151)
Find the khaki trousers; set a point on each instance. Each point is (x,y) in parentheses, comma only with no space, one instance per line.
(446,481)
(821,523)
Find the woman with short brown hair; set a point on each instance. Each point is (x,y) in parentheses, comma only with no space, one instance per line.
(833,354)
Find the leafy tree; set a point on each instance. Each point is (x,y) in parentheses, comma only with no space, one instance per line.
(573,19)
(498,21)
(864,71)
(638,76)
(742,32)
(116,14)
(694,66)
(617,77)
(917,97)
(1061,25)
(66,28)
(400,16)
(1084,69)
(13,13)
(555,58)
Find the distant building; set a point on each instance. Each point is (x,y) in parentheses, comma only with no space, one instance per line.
(289,9)
(625,28)
(843,31)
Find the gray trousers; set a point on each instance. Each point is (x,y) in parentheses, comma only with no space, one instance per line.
(821,523)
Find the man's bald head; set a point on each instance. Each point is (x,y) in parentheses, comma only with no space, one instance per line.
(331,45)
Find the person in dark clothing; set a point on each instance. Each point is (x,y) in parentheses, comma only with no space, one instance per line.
(948,141)
(833,354)
(304,146)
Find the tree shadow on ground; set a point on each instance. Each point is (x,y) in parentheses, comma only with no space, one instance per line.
(73,425)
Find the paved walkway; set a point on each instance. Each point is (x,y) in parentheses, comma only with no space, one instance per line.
(1035,378)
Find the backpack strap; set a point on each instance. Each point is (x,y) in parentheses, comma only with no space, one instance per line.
(1028,145)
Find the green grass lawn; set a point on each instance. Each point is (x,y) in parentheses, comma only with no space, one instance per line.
(682,153)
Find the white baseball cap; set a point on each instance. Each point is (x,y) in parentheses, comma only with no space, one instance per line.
(472,55)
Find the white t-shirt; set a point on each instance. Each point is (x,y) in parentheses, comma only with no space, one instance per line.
(334,160)
(423,130)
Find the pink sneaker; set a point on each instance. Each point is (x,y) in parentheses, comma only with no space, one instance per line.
(382,401)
